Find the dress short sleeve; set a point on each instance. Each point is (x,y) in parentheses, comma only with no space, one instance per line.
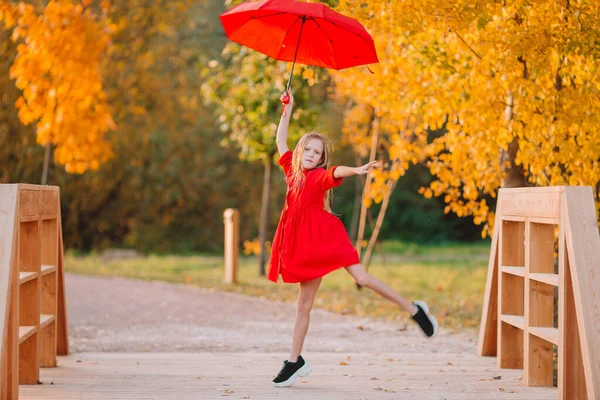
(326,180)
(286,162)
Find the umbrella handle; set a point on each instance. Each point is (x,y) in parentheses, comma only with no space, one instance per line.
(285,100)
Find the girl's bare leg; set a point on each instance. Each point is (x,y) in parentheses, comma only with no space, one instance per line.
(306,298)
(362,277)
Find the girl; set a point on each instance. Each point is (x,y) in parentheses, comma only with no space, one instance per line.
(310,242)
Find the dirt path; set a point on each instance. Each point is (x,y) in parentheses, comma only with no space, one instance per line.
(124,315)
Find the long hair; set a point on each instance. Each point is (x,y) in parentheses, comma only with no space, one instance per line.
(298,179)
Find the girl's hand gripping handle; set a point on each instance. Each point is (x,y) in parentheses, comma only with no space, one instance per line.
(287,98)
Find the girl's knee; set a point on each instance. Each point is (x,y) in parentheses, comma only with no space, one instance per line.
(304,306)
(364,280)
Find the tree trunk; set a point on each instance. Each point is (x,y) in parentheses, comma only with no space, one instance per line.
(514,174)
(363,208)
(373,240)
(358,184)
(46,164)
(264,214)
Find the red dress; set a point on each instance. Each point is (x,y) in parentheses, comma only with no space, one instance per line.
(309,242)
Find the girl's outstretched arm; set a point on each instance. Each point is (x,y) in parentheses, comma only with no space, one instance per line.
(284,122)
(343,172)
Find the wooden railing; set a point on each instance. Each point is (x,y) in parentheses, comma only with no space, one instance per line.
(32,303)
(518,320)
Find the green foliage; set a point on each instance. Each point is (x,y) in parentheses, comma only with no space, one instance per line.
(245,86)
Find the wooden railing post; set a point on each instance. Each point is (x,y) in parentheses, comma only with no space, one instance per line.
(231,218)
(522,283)
(30,268)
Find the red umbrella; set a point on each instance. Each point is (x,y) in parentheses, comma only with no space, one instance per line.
(304,33)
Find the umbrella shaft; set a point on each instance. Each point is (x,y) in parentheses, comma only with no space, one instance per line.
(295,54)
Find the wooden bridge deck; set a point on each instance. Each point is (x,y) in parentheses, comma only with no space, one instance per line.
(180,376)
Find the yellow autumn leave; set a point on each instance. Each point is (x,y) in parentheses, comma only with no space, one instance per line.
(57,69)
(514,85)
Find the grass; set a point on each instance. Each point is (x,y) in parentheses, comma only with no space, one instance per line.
(451,278)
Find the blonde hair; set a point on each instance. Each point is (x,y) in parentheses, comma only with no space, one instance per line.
(298,179)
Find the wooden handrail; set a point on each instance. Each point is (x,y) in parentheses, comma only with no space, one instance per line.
(31,284)
(517,323)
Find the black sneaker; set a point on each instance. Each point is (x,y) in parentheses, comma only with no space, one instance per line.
(426,321)
(291,371)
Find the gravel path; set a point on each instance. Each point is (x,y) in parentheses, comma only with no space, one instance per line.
(125,315)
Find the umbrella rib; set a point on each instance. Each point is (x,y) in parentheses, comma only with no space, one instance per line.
(285,36)
(328,38)
(269,15)
(354,33)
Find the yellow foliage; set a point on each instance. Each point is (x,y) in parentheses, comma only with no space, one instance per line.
(57,68)
(493,74)
(253,247)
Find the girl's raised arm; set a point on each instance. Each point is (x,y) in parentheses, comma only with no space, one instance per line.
(343,172)
(284,122)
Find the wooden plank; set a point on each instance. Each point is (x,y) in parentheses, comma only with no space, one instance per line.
(29,218)
(510,351)
(539,368)
(541,220)
(529,345)
(550,279)
(514,218)
(48,339)
(46,319)
(26,277)
(48,269)
(8,238)
(518,321)
(8,263)
(48,294)
(29,203)
(531,203)
(548,334)
(47,351)
(62,332)
(513,294)
(488,329)
(542,249)
(583,246)
(25,332)
(29,370)
(513,244)
(29,247)
(571,376)
(50,202)
(510,293)
(536,191)
(39,188)
(10,388)
(541,304)
(49,242)
(517,271)
(186,376)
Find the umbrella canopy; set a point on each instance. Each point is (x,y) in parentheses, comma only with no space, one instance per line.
(306,33)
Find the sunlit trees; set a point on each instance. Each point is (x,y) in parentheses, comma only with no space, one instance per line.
(514,84)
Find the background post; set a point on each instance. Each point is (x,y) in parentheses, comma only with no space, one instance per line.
(231,219)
